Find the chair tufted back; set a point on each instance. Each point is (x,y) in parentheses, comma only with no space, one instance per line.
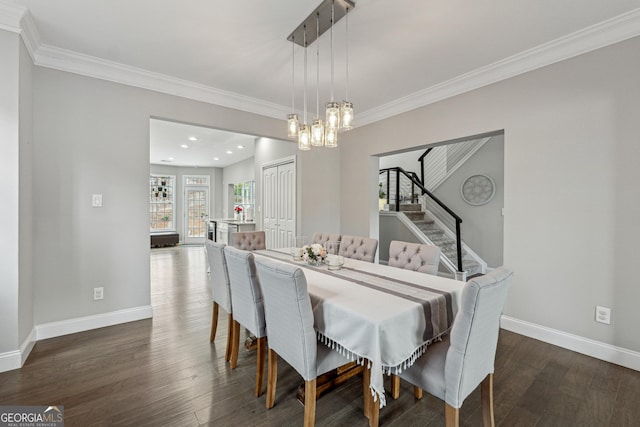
(322,238)
(289,315)
(361,248)
(414,256)
(246,295)
(474,335)
(219,274)
(249,240)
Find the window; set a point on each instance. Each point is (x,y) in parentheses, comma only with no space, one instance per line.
(161,202)
(243,196)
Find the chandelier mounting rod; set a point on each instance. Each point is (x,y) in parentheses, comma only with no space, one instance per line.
(323,13)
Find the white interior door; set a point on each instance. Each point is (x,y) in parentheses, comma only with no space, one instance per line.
(196,212)
(279,204)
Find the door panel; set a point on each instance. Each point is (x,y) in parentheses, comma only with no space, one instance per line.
(279,204)
(196,207)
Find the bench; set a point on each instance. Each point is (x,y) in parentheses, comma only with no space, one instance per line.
(169,238)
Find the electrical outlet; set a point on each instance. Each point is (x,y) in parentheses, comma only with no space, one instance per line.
(98,293)
(603,315)
(96,200)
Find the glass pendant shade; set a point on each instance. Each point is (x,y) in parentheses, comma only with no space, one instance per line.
(317,133)
(331,137)
(304,138)
(346,115)
(292,124)
(333,115)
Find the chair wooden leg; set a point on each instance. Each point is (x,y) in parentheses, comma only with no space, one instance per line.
(395,386)
(235,344)
(227,354)
(417,392)
(262,348)
(272,378)
(309,403)
(451,416)
(214,321)
(486,391)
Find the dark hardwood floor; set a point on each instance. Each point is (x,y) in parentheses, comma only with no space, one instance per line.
(165,372)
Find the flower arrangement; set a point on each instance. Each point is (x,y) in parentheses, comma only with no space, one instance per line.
(238,209)
(313,253)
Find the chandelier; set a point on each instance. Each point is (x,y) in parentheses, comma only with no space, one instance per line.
(337,116)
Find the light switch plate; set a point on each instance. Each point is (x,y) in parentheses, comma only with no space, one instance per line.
(96,201)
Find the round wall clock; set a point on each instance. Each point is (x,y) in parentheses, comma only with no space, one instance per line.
(477,189)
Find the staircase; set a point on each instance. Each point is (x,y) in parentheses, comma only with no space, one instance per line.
(439,237)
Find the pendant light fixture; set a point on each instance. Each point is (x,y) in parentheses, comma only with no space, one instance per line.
(346,108)
(338,116)
(317,129)
(292,119)
(304,133)
(332,107)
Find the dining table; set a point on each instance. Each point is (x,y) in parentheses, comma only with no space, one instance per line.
(381,316)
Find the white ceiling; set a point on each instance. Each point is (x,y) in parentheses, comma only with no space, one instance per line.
(178,144)
(236,53)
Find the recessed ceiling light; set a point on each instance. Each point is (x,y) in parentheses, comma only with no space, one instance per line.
(241,146)
(193,138)
(216,158)
(229,152)
(184,146)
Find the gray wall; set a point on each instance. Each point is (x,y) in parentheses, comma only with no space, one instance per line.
(92,136)
(9,167)
(571,197)
(25,303)
(482,226)
(214,174)
(318,183)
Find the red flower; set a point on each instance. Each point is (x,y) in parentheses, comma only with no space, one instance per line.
(238,209)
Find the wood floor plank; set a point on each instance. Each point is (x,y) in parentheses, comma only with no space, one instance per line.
(165,372)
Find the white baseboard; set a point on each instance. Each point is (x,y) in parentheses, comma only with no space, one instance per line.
(15,359)
(27,346)
(80,324)
(607,352)
(10,360)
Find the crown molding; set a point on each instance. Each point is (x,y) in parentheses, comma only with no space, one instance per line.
(30,35)
(18,19)
(603,34)
(74,62)
(10,16)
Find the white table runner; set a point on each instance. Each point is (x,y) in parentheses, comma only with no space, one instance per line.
(383,314)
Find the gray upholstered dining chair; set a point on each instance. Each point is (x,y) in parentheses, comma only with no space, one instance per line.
(291,333)
(322,238)
(219,277)
(414,256)
(246,299)
(360,248)
(249,240)
(453,368)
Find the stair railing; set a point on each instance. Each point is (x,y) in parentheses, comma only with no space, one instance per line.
(421,160)
(415,183)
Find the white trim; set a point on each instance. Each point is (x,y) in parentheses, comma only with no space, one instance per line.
(81,324)
(78,63)
(30,35)
(603,351)
(614,30)
(27,346)
(10,16)
(10,360)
